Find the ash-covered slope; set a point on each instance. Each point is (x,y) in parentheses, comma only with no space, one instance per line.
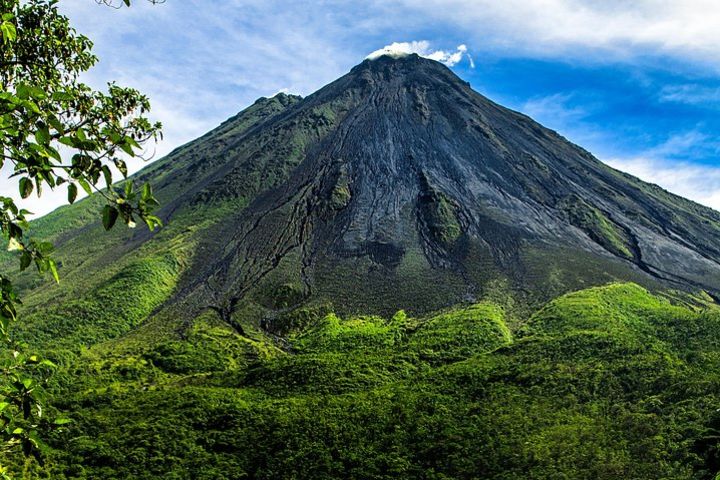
(413,189)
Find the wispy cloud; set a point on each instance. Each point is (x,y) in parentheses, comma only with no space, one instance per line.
(700,183)
(692,94)
(567,113)
(572,28)
(556,108)
(684,145)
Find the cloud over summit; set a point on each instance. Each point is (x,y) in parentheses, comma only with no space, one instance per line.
(422,48)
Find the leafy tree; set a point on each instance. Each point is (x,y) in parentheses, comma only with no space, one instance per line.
(55,132)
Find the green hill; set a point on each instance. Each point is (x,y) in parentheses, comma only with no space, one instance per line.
(610,382)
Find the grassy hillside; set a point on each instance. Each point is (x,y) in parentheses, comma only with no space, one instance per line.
(606,383)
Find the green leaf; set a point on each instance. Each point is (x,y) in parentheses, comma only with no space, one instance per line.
(110,215)
(22,91)
(108,175)
(127,148)
(37,93)
(32,106)
(25,260)
(152,221)
(8,31)
(72,192)
(122,166)
(53,270)
(62,421)
(56,124)
(45,248)
(26,187)
(147,192)
(42,136)
(61,96)
(69,141)
(85,185)
(14,231)
(53,153)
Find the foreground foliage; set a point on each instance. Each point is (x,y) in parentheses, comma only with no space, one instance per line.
(607,383)
(44,110)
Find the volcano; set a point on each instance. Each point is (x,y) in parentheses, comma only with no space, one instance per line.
(398,186)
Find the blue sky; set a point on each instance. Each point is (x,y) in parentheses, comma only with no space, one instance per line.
(636,83)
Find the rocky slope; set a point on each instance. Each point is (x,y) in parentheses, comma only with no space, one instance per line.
(409,185)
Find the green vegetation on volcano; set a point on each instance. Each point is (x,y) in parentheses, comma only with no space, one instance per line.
(607,383)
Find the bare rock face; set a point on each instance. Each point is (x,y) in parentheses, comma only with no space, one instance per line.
(398,185)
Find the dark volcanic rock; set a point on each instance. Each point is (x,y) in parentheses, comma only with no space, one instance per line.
(398,185)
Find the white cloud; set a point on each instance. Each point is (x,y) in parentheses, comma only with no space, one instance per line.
(422,48)
(567,113)
(611,29)
(698,182)
(285,90)
(665,164)
(470,59)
